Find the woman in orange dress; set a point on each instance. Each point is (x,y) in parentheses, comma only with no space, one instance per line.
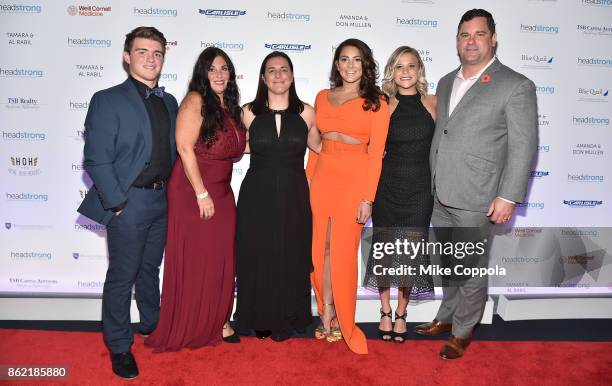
(353,118)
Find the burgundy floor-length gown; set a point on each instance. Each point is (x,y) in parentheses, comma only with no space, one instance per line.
(199,264)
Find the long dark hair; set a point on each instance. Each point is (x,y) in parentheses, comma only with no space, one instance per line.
(211,104)
(368,89)
(260,103)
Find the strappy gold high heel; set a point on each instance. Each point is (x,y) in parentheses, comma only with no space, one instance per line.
(335,335)
(321,332)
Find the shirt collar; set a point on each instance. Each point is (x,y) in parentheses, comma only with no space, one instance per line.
(476,76)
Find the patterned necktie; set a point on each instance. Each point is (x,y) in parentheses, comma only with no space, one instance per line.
(159,91)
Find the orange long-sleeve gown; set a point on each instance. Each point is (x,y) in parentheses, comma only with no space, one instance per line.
(343,175)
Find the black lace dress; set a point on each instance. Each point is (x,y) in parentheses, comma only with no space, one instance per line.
(274,232)
(403,205)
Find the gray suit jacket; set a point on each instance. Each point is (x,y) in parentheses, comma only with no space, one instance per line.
(486,147)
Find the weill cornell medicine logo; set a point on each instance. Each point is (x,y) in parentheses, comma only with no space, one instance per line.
(20,38)
(288,16)
(89,42)
(89,70)
(537,61)
(290,47)
(20,8)
(594,94)
(415,22)
(353,21)
(224,45)
(588,150)
(21,73)
(22,103)
(582,203)
(23,166)
(24,135)
(539,29)
(582,177)
(171,44)
(88,10)
(590,61)
(222,13)
(155,12)
(590,120)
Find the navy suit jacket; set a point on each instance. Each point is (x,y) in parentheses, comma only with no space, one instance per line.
(118,146)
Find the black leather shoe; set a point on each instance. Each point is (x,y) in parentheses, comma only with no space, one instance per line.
(124,365)
(263,334)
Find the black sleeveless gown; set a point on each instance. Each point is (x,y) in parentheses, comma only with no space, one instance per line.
(274,229)
(404,203)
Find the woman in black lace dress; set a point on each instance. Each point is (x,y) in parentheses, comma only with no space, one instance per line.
(403,205)
(274,231)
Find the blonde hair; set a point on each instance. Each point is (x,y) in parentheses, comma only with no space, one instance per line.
(389,86)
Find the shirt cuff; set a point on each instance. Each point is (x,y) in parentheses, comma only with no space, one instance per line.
(509,201)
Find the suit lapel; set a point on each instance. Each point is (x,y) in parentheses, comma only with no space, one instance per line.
(475,89)
(449,92)
(145,124)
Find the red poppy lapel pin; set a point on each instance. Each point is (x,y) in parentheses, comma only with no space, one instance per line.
(486,78)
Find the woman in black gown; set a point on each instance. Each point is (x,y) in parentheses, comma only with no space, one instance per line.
(403,205)
(273,240)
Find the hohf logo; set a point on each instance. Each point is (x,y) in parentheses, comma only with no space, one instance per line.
(24,166)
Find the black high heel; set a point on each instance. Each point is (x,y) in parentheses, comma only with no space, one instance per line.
(401,335)
(234,338)
(386,336)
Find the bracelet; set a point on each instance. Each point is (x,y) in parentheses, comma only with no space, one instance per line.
(201,196)
(367,202)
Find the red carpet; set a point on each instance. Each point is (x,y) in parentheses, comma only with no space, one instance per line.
(307,361)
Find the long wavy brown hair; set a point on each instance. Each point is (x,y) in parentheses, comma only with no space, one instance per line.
(368,89)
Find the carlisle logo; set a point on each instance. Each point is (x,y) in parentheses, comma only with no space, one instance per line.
(75,255)
(287,47)
(538,174)
(582,203)
(8,225)
(222,12)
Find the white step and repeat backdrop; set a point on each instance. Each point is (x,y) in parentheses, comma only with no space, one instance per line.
(56,54)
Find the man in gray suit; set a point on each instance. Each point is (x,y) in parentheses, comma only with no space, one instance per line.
(481,155)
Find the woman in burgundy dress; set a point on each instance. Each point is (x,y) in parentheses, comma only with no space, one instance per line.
(198,287)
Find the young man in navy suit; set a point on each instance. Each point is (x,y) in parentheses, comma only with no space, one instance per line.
(129,152)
